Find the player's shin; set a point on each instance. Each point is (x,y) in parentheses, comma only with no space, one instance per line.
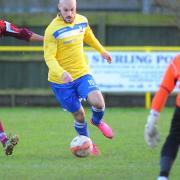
(97,115)
(81,128)
(98,122)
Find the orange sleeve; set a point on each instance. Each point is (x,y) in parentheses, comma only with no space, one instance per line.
(166,87)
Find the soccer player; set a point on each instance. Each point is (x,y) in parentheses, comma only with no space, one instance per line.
(69,75)
(170,148)
(9,29)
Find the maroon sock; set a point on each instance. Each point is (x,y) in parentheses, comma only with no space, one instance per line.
(1,127)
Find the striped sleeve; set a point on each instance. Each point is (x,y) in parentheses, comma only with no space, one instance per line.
(50,51)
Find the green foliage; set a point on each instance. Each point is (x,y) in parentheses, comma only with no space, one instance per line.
(95,18)
(35,19)
(45,134)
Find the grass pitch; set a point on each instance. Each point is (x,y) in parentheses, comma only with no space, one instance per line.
(45,134)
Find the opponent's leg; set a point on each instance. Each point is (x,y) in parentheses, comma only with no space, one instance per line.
(3,136)
(8,142)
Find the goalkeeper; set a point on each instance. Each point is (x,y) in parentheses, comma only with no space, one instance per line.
(170,148)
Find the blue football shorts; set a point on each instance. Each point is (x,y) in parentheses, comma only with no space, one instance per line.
(70,94)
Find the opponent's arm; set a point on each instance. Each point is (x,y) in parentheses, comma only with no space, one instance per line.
(151,133)
(36,37)
(20,33)
(92,41)
(2,27)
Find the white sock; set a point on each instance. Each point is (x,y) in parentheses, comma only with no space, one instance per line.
(162,178)
(2,136)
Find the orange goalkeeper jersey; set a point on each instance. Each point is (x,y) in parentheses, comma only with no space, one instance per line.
(170,79)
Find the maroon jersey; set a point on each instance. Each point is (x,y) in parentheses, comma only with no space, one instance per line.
(9,29)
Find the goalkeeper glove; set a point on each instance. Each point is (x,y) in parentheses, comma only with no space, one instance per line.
(151,132)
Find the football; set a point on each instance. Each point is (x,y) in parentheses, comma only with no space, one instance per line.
(81,146)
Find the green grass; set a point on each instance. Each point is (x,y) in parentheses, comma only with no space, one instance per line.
(45,134)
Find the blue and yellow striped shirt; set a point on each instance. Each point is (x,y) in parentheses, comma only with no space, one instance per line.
(63,47)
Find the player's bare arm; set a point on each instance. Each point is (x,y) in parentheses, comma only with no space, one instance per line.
(36,37)
(106,55)
(66,77)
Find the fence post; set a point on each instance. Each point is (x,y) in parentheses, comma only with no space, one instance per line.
(148,100)
(102,28)
(146,6)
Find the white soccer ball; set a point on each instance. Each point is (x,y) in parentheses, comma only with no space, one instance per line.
(81,146)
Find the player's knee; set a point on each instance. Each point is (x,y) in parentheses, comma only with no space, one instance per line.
(98,104)
(96,99)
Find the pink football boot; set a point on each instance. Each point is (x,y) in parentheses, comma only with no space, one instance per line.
(95,151)
(105,129)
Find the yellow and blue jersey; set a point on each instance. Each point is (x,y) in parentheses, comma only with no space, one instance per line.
(63,47)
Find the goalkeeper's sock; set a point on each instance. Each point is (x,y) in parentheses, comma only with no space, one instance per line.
(166,164)
(81,128)
(97,115)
